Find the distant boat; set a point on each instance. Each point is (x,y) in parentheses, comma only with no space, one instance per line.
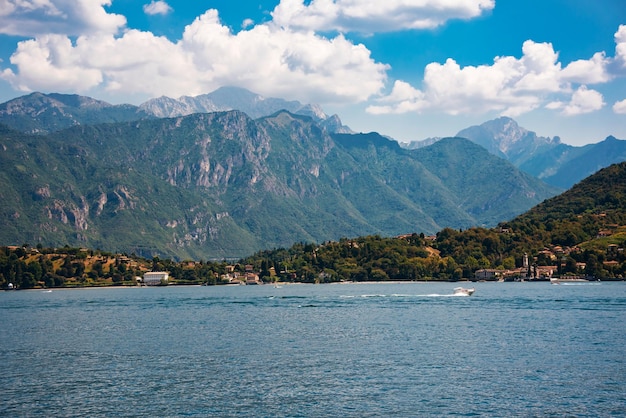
(462,291)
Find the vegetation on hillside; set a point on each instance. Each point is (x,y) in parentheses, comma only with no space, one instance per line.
(581,232)
(26,267)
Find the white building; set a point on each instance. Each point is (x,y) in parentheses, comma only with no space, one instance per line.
(155,278)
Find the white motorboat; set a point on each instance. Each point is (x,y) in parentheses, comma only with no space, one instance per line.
(462,291)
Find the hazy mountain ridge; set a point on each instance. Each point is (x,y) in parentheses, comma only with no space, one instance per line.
(420,144)
(556,163)
(505,138)
(549,159)
(234,98)
(44,113)
(224,185)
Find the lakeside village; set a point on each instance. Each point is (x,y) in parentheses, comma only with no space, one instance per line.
(25,267)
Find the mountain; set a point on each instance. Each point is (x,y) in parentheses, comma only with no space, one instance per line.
(421,144)
(214,185)
(548,159)
(39,113)
(579,214)
(584,161)
(235,98)
(600,196)
(505,138)
(493,189)
(558,164)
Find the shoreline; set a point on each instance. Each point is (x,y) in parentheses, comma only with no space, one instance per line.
(418,282)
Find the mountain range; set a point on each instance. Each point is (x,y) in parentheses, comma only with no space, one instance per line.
(230,172)
(235,98)
(40,113)
(223,184)
(548,159)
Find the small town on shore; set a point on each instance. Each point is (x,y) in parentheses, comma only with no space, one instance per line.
(27,267)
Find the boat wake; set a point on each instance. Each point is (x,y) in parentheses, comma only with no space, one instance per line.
(580,284)
(401,295)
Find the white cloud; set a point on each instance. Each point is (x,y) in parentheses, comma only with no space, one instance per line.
(620,48)
(620,107)
(582,101)
(265,59)
(48,63)
(286,63)
(375,16)
(594,70)
(408,99)
(510,86)
(67,17)
(157,8)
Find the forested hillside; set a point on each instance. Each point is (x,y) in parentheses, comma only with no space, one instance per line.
(581,232)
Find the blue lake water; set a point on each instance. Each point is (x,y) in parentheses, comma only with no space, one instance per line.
(361,350)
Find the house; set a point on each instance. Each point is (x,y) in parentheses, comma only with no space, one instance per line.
(487,274)
(545,271)
(252,279)
(155,278)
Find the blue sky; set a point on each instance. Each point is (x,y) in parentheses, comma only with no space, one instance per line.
(410,69)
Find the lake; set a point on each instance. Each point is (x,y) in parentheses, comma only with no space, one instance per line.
(358,350)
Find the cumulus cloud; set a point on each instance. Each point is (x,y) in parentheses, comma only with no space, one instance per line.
(49,62)
(582,101)
(375,16)
(620,107)
(510,86)
(68,17)
(265,59)
(405,97)
(620,48)
(594,70)
(157,8)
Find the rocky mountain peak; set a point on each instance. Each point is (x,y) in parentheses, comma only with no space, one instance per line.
(504,137)
(506,129)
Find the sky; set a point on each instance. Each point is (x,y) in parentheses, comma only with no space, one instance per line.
(408,69)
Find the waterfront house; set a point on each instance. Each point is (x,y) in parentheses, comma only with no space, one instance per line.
(487,274)
(155,278)
(252,279)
